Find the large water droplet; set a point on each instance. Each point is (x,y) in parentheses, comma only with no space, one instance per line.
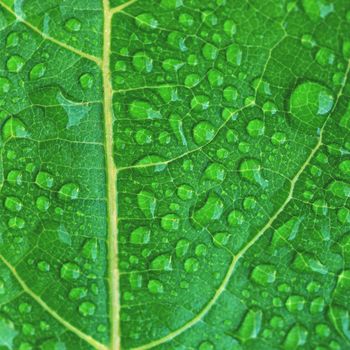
(310,102)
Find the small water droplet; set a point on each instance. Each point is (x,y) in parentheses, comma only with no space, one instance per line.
(70,271)
(69,191)
(87,308)
(72,25)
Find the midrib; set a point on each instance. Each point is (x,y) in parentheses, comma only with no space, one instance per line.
(111,173)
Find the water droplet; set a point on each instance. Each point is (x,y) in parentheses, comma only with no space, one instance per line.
(235,218)
(44,180)
(234,54)
(186,20)
(76,111)
(215,78)
(15,64)
(8,333)
(69,191)
(295,303)
(251,325)
(309,101)
(256,127)
(162,263)
(14,177)
(4,85)
(147,203)
(87,308)
(192,80)
(16,223)
(77,293)
(182,247)
(13,204)
(250,169)
(140,235)
(278,138)
(143,110)
(142,62)
(211,210)
(42,203)
(14,127)
(43,266)
(70,271)
(206,346)
(264,274)
(339,189)
(317,9)
(38,71)
(325,57)
(230,94)
(12,39)
(191,265)
(90,249)
(249,203)
(86,81)
(146,21)
(170,222)
(230,27)
(221,238)
(25,308)
(215,172)
(210,52)
(203,133)
(287,231)
(172,64)
(296,337)
(308,41)
(73,25)
(155,287)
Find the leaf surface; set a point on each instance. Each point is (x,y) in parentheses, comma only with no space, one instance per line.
(174,174)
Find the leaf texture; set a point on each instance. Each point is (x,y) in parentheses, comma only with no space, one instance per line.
(174,174)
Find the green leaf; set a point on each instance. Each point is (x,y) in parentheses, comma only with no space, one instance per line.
(174,174)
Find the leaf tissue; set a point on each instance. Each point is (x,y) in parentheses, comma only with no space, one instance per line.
(174,174)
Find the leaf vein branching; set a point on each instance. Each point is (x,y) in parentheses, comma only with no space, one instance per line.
(80,53)
(97,345)
(121,7)
(257,236)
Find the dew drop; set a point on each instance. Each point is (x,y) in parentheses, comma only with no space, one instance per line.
(13,204)
(15,64)
(72,25)
(309,101)
(4,85)
(147,203)
(191,265)
(70,271)
(140,235)
(38,71)
(264,274)
(234,54)
(170,222)
(44,180)
(42,203)
(86,81)
(13,128)
(69,191)
(162,263)
(203,133)
(211,210)
(143,110)
(87,308)
(146,21)
(182,247)
(142,62)
(77,293)
(155,287)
